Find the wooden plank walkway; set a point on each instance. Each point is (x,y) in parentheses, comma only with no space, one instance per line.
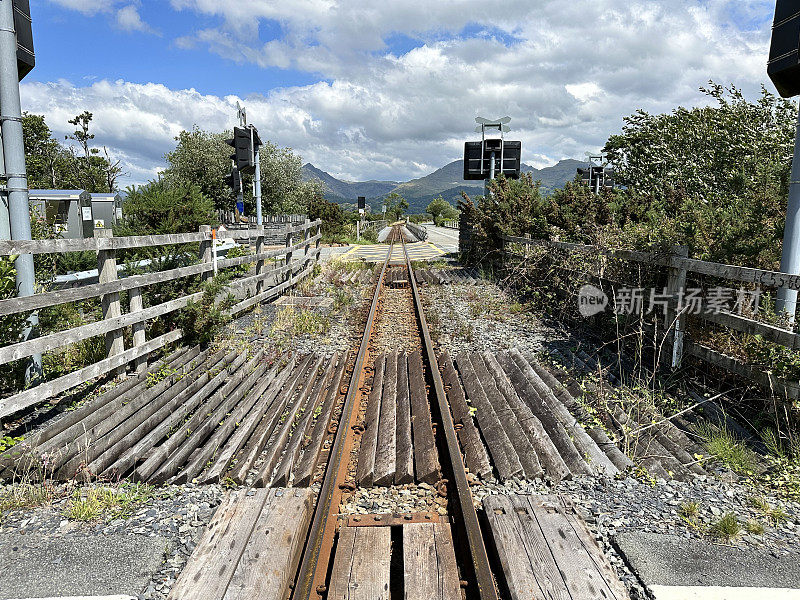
(546,550)
(250,549)
(514,411)
(361,565)
(429,562)
(366,557)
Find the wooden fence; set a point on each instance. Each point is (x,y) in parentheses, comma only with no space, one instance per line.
(293,261)
(678,269)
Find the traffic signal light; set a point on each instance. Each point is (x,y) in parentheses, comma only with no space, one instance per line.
(784,53)
(245,142)
(26,59)
(234,181)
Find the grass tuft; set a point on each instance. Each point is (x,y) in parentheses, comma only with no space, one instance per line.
(25,495)
(726,448)
(727,527)
(754,526)
(94,503)
(690,510)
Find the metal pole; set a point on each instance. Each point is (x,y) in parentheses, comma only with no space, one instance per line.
(790,259)
(5,224)
(16,176)
(257,189)
(491,174)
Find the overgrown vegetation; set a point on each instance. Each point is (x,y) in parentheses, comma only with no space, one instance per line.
(203,319)
(725,447)
(291,322)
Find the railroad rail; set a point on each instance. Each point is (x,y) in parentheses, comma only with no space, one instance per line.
(319,550)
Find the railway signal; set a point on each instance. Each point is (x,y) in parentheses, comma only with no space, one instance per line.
(245,143)
(597,176)
(234,181)
(784,52)
(784,70)
(485,159)
(26,59)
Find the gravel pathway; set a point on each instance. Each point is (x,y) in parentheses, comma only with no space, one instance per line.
(466,318)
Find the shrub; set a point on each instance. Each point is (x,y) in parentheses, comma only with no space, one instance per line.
(202,320)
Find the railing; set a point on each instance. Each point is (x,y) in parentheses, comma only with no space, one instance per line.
(451,224)
(419,232)
(249,290)
(229,218)
(678,269)
(376,225)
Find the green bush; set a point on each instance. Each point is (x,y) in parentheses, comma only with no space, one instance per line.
(202,320)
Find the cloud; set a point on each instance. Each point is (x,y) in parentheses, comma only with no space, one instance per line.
(128,19)
(566,72)
(87,7)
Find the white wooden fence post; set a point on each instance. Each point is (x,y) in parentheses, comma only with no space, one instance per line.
(107,269)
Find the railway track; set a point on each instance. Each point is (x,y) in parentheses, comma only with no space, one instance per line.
(315,566)
(390,425)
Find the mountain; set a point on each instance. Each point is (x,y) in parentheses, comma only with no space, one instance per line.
(447,182)
(348,190)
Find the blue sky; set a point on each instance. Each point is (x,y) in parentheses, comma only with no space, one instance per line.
(65,38)
(368,89)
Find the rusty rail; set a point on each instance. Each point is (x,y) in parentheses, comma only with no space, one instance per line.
(318,551)
(467,517)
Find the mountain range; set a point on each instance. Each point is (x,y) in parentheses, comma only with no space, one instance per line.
(447,182)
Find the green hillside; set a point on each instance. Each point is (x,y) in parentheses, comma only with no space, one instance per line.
(447,182)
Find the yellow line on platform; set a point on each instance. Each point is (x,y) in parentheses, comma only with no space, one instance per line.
(377,252)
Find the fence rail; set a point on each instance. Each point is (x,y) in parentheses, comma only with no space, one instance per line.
(418,230)
(678,269)
(248,290)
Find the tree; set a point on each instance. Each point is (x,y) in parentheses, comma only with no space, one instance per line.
(96,173)
(441,210)
(394,206)
(203,158)
(334,220)
(714,178)
(513,207)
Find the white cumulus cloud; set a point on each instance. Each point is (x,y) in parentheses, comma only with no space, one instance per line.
(129,19)
(566,72)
